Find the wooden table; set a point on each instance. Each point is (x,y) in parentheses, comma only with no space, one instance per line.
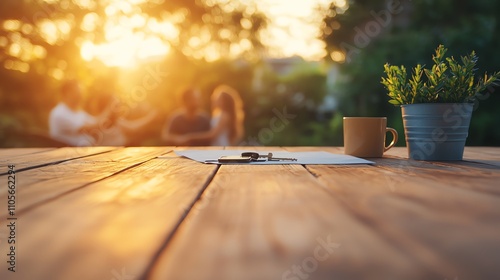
(121,213)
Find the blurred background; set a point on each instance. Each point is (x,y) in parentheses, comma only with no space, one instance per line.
(306,63)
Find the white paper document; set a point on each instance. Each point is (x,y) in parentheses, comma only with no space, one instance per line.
(302,157)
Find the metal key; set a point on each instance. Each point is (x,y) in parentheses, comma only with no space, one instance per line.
(269,156)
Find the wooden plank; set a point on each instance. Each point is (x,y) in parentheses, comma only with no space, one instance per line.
(472,175)
(36,186)
(470,153)
(452,175)
(15,152)
(469,175)
(484,152)
(427,216)
(473,158)
(30,161)
(483,161)
(483,155)
(258,222)
(399,152)
(110,228)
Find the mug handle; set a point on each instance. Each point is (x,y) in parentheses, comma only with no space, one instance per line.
(394,138)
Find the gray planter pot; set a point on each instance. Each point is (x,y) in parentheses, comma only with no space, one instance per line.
(436,131)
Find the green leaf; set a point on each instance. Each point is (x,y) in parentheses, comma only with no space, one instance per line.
(448,80)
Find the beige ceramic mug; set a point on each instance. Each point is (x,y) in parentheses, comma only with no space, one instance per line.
(365,137)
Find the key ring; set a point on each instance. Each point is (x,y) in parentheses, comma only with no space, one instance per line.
(256,156)
(253,155)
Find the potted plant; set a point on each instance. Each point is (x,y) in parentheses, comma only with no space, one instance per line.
(437,103)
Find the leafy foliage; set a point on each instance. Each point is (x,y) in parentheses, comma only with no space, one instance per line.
(219,26)
(447,82)
(419,26)
(41,45)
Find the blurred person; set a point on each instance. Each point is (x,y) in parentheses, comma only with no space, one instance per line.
(188,119)
(226,125)
(116,129)
(68,122)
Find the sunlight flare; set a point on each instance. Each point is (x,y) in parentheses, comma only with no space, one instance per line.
(127,51)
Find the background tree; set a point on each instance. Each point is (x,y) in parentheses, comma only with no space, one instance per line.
(45,41)
(410,36)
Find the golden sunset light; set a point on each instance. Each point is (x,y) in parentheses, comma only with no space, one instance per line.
(125,51)
(294,27)
(295,22)
(131,36)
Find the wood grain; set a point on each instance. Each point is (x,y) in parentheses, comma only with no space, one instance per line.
(436,218)
(25,161)
(39,185)
(484,155)
(257,222)
(113,226)
(124,214)
(15,152)
(467,174)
